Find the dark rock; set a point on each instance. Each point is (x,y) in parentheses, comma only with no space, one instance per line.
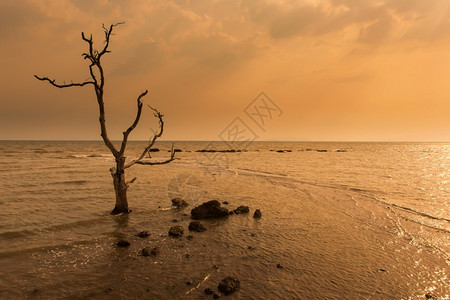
(280,151)
(174,221)
(144,252)
(143,234)
(153,150)
(177,150)
(429,296)
(382,270)
(231,212)
(176,231)
(188,282)
(228,285)
(251,248)
(108,290)
(178,202)
(320,150)
(216,296)
(196,226)
(208,291)
(154,251)
(242,210)
(288,150)
(280,266)
(210,209)
(190,237)
(225,202)
(257,214)
(187,255)
(123,243)
(215,267)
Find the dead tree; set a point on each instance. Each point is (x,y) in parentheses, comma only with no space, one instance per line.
(97,81)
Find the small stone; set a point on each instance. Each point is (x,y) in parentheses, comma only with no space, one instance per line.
(253,234)
(196,226)
(190,237)
(216,296)
(187,255)
(280,266)
(231,212)
(178,202)
(215,267)
(174,221)
(176,231)
(257,214)
(123,243)
(154,251)
(143,234)
(429,296)
(228,285)
(225,202)
(382,270)
(145,252)
(242,209)
(250,248)
(108,290)
(208,291)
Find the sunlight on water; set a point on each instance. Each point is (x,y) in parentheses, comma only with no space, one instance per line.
(353,220)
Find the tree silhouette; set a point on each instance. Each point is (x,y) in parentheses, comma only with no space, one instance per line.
(97,81)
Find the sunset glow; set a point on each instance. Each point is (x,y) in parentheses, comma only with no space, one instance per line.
(340,70)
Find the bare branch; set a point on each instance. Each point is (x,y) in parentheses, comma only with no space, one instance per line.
(136,121)
(53,82)
(152,141)
(108,33)
(152,163)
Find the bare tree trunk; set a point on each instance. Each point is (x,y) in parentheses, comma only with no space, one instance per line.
(120,187)
(97,80)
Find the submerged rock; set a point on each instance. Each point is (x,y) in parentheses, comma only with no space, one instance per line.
(210,209)
(257,214)
(143,234)
(144,252)
(178,202)
(242,210)
(228,285)
(196,226)
(155,251)
(123,243)
(208,291)
(176,231)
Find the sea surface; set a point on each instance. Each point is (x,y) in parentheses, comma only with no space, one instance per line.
(339,221)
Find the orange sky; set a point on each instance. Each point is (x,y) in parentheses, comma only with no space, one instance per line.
(352,70)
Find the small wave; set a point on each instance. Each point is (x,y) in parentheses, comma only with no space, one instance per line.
(75,182)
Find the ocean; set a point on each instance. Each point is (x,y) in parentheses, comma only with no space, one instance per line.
(339,221)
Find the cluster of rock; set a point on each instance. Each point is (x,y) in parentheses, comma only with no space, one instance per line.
(221,151)
(213,209)
(207,210)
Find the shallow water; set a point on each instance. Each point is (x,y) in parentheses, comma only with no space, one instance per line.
(371,221)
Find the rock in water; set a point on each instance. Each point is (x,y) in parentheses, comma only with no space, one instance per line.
(123,243)
(144,252)
(178,202)
(257,214)
(242,209)
(228,285)
(210,209)
(176,231)
(196,226)
(143,234)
